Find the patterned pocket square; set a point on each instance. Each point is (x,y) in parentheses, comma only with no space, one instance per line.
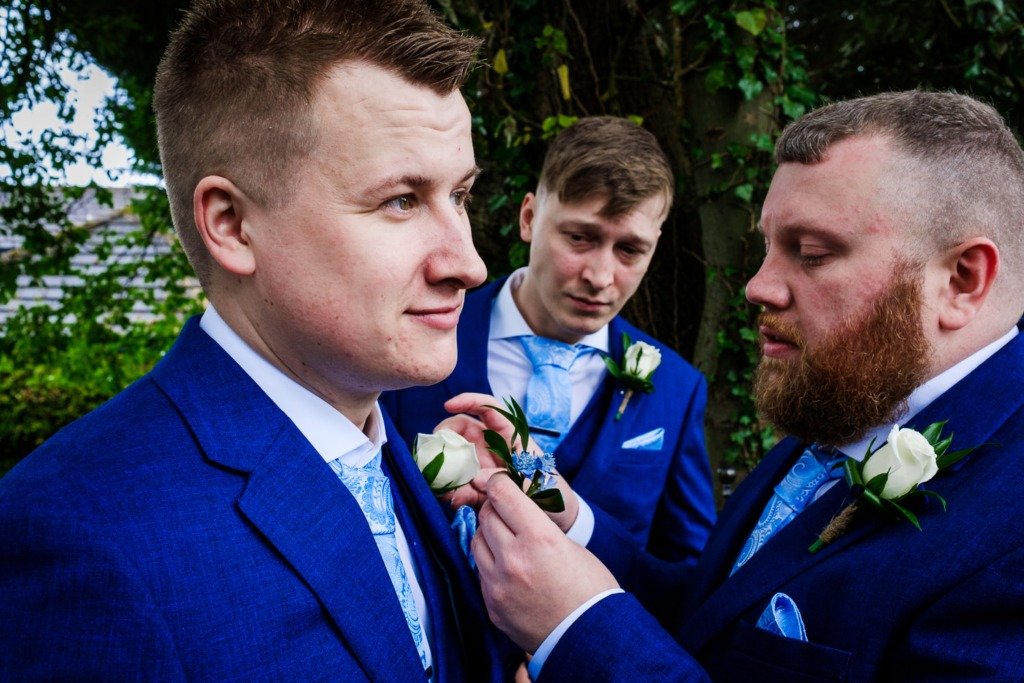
(782,617)
(653,440)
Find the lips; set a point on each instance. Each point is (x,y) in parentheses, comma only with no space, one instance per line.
(437,317)
(776,344)
(587,304)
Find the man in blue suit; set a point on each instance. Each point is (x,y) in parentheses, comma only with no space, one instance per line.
(894,229)
(245,511)
(604,191)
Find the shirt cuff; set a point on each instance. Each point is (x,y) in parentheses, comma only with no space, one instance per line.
(583,528)
(545,649)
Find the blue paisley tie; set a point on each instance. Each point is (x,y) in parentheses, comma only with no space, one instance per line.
(372,490)
(812,470)
(549,391)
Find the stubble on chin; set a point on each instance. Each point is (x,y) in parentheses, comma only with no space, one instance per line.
(858,378)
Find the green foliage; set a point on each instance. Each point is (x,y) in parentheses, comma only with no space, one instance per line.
(547,64)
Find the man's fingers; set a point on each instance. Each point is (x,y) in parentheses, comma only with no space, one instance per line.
(471,403)
(515,509)
(474,493)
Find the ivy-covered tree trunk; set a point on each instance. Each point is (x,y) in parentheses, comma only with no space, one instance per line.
(731,247)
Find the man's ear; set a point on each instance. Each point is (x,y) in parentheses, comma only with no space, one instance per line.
(217,205)
(527,212)
(971,268)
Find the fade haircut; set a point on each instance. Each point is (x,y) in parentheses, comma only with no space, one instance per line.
(959,171)
(234,87)
(609,157)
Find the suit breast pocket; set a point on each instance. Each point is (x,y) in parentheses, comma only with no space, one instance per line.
(749,653)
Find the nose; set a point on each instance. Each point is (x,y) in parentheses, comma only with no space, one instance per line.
(599,269)
(455,259)
(767,288)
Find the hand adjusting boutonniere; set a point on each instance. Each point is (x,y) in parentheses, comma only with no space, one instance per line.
(446,459)
(523,465)
(639,362)
(891,476)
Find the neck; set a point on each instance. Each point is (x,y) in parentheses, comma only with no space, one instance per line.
(356,406)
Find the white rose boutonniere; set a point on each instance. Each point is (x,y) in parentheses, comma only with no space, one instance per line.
(907,458)
(890,477)
(639,361)
(446,459)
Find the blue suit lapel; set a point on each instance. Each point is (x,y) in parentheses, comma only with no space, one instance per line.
(462,636)
(293,499)
(720,599)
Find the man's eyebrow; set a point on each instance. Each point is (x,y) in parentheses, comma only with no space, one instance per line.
(417,181)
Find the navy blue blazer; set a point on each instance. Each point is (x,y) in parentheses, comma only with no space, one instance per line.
(187,530)
(662,496)
(883,602)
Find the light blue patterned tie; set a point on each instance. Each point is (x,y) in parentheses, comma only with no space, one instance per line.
(549,391)
(796,491)
(372,490)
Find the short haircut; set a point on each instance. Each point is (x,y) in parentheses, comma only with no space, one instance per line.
(234,87)
(609,157)
(961,175)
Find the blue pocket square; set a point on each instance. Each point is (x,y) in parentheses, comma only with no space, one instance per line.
(782,617)
(653,440)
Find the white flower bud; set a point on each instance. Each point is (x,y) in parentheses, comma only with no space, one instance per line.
(907,457)
(460,462)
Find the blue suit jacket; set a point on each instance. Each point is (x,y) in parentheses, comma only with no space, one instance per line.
(884,601)
(663,496)
(187,530)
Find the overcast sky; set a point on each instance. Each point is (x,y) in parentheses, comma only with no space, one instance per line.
(89,88)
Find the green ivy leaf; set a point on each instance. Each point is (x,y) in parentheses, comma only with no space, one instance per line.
(744,192)
(752,21)
(716,79)
(750,86)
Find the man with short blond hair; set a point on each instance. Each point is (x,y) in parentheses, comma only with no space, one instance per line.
(245,511)
(605,189)
(894,228)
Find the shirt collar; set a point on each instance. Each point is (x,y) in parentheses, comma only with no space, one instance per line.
(922,396)
(507,320)
(327,430)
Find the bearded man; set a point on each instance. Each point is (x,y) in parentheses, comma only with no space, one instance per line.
(890,291)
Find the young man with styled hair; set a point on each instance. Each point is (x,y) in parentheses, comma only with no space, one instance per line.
(245,511)
(890,290)
(604,191)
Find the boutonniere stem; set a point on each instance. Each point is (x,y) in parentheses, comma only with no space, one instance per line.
(891,477)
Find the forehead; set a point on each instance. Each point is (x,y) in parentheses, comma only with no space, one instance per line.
(367,114)
(844,192)
(644,221)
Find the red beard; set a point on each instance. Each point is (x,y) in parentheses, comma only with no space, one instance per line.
(859,377)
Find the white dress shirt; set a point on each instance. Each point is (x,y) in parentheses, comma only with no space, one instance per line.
(918,400)
(330,433)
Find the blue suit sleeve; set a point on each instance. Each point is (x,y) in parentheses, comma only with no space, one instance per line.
(616,640)
(686,511)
